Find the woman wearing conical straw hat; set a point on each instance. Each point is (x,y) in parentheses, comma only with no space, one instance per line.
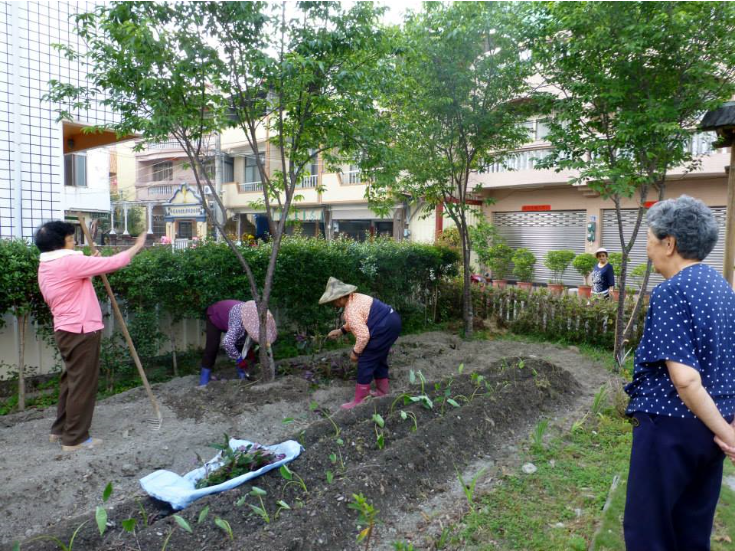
(376,327)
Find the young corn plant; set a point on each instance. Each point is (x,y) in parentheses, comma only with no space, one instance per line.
(365,519)
(225,526)
(469,489)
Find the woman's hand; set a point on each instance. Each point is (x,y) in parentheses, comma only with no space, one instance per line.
(334,334)
(353,357)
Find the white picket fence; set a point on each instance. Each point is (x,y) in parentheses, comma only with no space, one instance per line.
(41,359)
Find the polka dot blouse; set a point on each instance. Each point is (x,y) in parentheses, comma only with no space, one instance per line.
(690,320)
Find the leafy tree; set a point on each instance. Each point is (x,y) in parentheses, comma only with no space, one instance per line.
(452,110)
(189,70)
(21,296)
(632,80)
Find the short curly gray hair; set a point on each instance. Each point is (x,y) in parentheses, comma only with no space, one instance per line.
(690,221)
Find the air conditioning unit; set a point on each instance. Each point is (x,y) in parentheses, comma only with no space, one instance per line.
(207,190)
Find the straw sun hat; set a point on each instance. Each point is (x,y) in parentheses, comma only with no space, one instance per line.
(336,289)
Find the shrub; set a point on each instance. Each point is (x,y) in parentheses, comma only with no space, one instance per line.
(498,258)
(558,262)
(616,261)
(523,262)
(584,263)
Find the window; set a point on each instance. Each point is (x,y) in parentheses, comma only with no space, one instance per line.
(252,175)
(542,129)
(185,230)
(228,169)
(75,169)
(353,175)
(310,176)
(163,171)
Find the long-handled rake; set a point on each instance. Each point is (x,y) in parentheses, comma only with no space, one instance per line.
(155,423)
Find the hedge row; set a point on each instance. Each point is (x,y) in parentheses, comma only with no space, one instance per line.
(565,317)
(184,283)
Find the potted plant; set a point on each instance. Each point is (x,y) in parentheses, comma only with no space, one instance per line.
(584,264)
(558,262)
(616,261)
(498,258)
(523,262)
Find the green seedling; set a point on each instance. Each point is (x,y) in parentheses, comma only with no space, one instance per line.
(63,546)
(460,369)
(366,518)
(282,506)
(441,543)
(469,489)
(203,514)
(261,511)
(379,434)
(182,522)
(225,526)
(292,478)
(315,407)
(129,524)
(409,414)
(330,477)
(100,514)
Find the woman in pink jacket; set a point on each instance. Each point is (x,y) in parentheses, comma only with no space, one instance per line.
(65,278)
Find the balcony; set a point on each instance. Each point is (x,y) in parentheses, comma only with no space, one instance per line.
(249,187)
(168,144)
(308,182)
(353,177)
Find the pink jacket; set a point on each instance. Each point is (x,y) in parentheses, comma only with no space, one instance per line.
(65,279)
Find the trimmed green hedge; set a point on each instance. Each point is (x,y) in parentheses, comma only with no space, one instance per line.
(184,283)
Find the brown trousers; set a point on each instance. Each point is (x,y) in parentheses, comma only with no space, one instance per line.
(78,389)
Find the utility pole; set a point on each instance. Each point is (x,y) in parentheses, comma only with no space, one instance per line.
(218,182)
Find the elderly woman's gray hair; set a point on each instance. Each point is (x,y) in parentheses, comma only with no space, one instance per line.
(688,220)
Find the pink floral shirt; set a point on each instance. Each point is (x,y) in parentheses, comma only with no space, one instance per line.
(356,315)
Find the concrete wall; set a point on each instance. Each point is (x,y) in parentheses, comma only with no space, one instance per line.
(42,359)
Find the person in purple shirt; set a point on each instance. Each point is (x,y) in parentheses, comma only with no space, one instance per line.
(225,317)
(682,396)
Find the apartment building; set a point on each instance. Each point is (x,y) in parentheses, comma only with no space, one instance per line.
(48,169)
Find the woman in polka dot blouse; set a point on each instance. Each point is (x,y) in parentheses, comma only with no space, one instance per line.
(682,397)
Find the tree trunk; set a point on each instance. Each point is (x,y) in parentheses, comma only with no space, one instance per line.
(644,286)
(22,320)
(467,294)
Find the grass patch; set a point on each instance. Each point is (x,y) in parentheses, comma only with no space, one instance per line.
(557,507)
(560,506)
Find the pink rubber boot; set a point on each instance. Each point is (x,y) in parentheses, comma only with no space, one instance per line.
(381,388)
(361,392)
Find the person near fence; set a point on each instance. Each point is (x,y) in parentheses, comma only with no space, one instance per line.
(603,275)
(238,321)
(376,327)
(682,397)
(65,279)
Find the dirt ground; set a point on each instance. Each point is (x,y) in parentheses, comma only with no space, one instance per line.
(411,480)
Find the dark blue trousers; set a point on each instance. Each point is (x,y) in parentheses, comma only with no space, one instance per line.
(384,324)
(673,485)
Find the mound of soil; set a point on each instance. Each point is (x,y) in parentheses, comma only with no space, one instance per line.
(503,387)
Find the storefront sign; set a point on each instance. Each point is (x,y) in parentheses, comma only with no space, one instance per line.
(534,208)
(185,211)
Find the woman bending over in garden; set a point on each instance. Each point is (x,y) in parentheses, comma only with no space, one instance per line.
(376,327)
(239,322)
(682,397)
(65,279)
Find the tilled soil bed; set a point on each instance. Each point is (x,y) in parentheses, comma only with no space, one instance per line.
(504,387)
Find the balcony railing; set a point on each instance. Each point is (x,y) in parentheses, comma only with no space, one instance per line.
(251,186)
(308,181)
(168,144)
(161,190)
(353,177)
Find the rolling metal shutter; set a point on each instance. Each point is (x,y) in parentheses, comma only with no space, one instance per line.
(611,239)
(545,231)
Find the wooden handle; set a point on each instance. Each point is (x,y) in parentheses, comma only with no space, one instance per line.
(123,325)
